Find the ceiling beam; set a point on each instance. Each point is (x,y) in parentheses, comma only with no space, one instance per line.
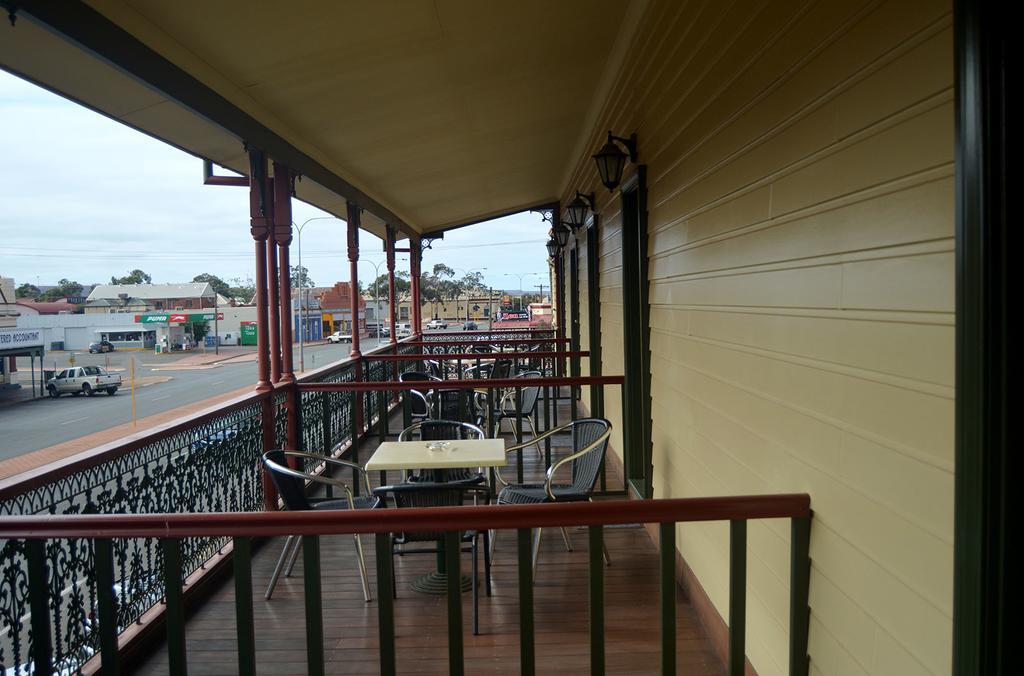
(92,32)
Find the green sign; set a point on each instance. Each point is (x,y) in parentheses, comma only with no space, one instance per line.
(177,317)
(247,334)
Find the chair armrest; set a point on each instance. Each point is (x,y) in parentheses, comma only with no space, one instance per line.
(337,462)
(531,442)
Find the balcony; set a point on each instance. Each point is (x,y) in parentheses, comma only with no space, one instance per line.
(133,535)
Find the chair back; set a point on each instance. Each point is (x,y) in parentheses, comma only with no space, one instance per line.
(424,494)
(502,369)
(289,483)
(418,404)
(434,369)
(454,405)
(433,430)
(415,377)
(585,468)
(529,396)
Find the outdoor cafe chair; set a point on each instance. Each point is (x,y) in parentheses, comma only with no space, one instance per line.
(507,410)
(291,486)
(430,494)
(589,443)
(419,402)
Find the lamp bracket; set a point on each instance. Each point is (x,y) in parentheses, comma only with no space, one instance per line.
(426,241)
(630,143)
(589,199)
(547,215)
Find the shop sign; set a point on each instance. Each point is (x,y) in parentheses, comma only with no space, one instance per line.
(177,317)
(14,338)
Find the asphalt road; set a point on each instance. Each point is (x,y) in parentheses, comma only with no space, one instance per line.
(31,425)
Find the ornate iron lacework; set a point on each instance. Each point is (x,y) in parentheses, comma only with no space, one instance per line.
(210,467)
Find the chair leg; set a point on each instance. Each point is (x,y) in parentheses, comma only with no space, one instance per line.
(277,569)
(494,544)
(296,546)
(533,428)
(362,568)
(607,559)
(536,548)
(394,575)
(565,539)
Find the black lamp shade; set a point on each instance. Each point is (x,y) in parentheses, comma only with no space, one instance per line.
(552,248)
(561,233)
(611,162)
(576,212)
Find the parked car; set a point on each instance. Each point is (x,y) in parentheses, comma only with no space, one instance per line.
(86,380)
(101,346)
(339,337)
(435,324)
(378,331)
(470,326)
(403,330)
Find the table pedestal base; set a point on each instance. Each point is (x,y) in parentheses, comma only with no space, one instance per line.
(437,583)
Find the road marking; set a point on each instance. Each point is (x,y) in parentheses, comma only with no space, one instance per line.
(163,397)
(216,382)
(68,422)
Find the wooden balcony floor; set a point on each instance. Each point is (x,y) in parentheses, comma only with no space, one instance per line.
(632,625)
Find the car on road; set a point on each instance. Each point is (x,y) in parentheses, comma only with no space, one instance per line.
(435,324)
(87,380)
(378,331)
(403,330)
(339,337)
(100,347)
(470,326)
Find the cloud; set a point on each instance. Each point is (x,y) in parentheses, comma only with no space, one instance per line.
(86,197)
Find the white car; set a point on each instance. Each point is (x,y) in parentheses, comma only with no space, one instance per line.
(403,330)
(87,380)
(435,324)
(339,337)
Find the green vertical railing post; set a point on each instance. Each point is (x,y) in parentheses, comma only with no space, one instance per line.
(385,605)
(596,543)
(527,660)
(737,596)
(41,650)
(355,431)
(177,661)
(519,433)
(244,624)
(107,607)
(314,605)
(547,426)
(799,588)
(668,597)
(452,552)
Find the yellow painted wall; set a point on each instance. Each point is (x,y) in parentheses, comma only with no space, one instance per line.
(800,164)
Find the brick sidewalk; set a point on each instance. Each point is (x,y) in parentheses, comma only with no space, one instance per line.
(24,463)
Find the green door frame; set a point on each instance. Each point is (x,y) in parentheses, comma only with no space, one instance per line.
(983,574)
(594,316)
(636,343)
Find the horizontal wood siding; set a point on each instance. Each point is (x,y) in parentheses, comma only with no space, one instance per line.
(800,164)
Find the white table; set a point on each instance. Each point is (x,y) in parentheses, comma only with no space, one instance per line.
(459,453)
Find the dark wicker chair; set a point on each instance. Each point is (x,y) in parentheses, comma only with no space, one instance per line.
(430,494)
(507,410)
(589,443)
(291,486)
(419,400)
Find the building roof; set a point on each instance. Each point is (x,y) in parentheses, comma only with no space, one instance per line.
(339,297)
(152,291)
(48,308)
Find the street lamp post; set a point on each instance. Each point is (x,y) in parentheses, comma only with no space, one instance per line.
(302,281)
(520,275)
(376,296)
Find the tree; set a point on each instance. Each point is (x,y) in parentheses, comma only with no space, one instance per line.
(403,288)
(136,276)
(64,288)
(215,282)
(243,288)
(27,290)
(300,278)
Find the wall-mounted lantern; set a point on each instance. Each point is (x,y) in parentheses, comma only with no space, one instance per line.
(611,161)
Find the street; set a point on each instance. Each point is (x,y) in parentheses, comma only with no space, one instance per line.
(31,425)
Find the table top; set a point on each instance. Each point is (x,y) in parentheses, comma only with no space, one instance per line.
(459,453)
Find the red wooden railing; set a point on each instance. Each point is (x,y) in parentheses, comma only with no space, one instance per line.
(170,529)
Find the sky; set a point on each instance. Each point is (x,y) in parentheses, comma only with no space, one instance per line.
(85,198)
